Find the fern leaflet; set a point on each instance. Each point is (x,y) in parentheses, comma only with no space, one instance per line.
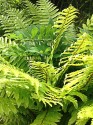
(48,117)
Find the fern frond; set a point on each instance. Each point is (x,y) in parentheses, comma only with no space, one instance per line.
(30,7)
(16,84)
(82,45)
(88,27)
(75,53)
(44,72)
(82,121)
(4,41)
(64,20)
(25,88)
(72,100)
(81,78)
(15,54)
(46,11)
(4,5)
(31,11)
(69,36)
(7,105)
(13,20)
(85,113)
(49,117)
(82,114)
(41,12)
(80,95)
(22,117)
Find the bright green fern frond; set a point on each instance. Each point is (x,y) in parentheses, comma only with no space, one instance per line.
(64,20)
(85,113)
(82,114)
(48,117)
(80,78)
(74,54)
(24,88)
(82,45)
(44,72)
(80,95)
(69,95)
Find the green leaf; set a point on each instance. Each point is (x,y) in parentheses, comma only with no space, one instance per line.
(34,32)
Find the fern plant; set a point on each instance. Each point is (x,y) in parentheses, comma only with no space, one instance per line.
(33,90)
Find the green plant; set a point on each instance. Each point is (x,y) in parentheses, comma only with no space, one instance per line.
(34,90)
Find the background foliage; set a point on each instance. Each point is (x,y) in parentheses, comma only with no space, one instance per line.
(84,7)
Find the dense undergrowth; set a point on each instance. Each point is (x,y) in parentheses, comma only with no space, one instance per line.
(46,66)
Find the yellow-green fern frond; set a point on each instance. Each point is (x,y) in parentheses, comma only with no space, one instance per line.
(23,88)
(74,54)
(83,114)
(83,45)
(43,71)
(64,20)
(80,79)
